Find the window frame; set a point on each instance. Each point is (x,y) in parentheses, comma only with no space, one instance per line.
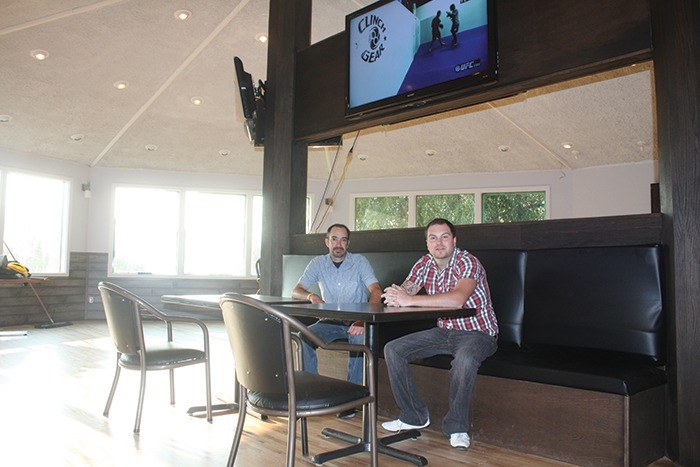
(182,190)
(477,192)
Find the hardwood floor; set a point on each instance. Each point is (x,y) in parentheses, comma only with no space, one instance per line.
(54,384)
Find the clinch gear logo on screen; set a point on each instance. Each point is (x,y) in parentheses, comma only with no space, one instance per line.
(372,32)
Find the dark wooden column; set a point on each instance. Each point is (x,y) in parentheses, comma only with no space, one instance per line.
(285,162)
(676,39)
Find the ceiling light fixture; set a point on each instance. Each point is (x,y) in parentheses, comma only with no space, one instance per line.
(77,137)
(430,152)
(183,15)
(5,118)
(40,55)
(197,100)
(567,145)
(362,157)
(121,85)
(262,37)
(504,148)
(224,152)
(151,147)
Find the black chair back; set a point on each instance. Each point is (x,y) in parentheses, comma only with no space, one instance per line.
(123,320)
(257,341)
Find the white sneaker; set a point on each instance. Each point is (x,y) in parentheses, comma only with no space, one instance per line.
(398,425)
(460,441)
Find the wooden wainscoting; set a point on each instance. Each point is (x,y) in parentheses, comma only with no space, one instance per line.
(567,424)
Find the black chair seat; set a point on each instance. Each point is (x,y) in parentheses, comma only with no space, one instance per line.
(314,392)
(163,358)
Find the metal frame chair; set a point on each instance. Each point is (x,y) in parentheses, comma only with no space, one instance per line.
(270,383)
(123,311)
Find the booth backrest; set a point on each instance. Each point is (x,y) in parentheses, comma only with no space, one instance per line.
(606,298)
(505,271)
(390,268)
(292,268)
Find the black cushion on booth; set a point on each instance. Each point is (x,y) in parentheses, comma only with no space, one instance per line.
(575,368)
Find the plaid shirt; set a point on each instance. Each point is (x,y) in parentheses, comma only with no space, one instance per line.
(462,265)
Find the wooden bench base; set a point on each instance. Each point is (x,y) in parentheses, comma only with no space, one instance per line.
(567,424)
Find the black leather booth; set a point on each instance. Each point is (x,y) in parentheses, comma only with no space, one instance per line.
(581,343)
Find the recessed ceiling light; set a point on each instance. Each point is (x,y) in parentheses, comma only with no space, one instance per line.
(224,152)
(77,137)
(430,152)
(504,148)
(40,54)
(362,157)
(262,37)
(183,14)
(5,118)
(567,145)
(197,100)
(151,147)
(121,85)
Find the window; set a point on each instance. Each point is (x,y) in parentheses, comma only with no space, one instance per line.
(457,208)
(381,212)
(185,232)
(215,229)
(514,206)
(35,229)
(477,206)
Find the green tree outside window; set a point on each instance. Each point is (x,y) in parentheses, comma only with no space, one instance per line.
(513,206)
(457,208)
(381,212)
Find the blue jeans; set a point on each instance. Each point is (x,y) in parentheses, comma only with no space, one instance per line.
(469,349)
(329,332)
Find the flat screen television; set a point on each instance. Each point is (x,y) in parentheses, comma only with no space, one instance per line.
(252,103)
(404,53)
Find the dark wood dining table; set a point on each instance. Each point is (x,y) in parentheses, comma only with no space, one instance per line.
(374,315)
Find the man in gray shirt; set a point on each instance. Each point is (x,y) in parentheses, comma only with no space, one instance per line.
(343,277)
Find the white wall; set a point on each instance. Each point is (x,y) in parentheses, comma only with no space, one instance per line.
(600,191)
(614,189)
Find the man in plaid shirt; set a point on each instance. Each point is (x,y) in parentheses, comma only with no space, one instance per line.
(452,278)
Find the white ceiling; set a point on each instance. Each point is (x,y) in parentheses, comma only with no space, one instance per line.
(92,44)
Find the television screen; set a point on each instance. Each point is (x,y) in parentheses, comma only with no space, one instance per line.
(404,52)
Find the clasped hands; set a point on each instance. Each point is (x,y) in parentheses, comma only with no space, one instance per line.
(395,295)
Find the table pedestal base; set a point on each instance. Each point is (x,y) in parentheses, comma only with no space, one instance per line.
(359,446)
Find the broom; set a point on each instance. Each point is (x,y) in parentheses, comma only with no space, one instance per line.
(52,324)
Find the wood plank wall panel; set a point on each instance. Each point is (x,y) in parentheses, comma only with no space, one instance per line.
(540,42)
(75,297)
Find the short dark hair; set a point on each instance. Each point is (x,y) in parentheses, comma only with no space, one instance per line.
(328,232)
(441,221)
